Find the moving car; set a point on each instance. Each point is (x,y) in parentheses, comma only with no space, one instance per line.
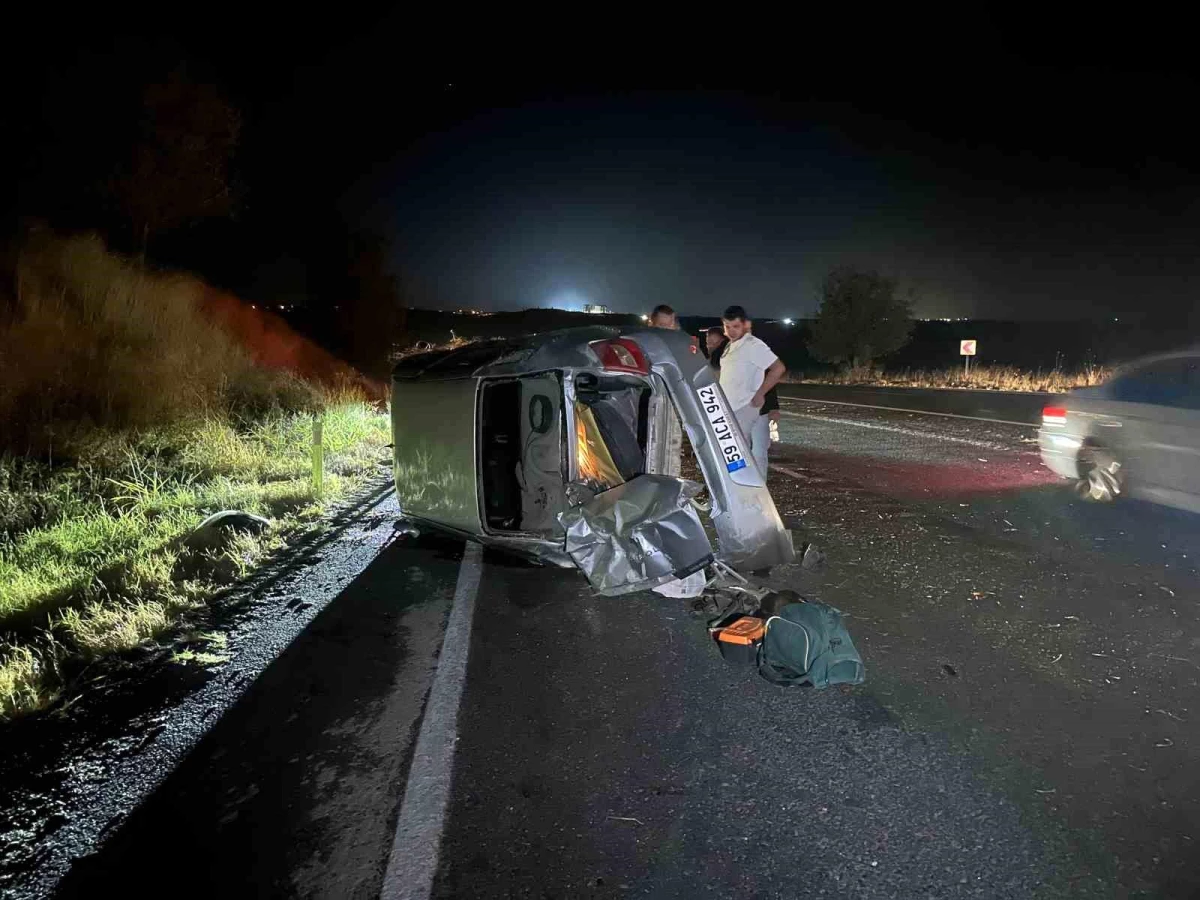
(1137,434)
(554,446)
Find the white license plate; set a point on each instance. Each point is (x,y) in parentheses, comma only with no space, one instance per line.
(722,423)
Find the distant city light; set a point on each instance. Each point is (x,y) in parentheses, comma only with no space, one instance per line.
(572,300)
(645,318)
(787,321)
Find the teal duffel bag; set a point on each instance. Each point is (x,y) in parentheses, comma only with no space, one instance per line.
(806,643)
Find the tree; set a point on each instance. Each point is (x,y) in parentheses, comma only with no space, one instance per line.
(370,315)
(179,168)
(863,317)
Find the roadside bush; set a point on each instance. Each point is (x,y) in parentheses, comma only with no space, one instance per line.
(93,340)
(998,378)
(165,414)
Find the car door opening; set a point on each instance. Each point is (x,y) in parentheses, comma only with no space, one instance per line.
(521,437)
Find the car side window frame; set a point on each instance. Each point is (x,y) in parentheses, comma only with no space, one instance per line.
(1173,382)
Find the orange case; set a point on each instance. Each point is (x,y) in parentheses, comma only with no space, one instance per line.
(745,630)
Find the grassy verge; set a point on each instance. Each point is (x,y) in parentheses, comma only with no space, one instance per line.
(128,413)
(91,562)
(996,378)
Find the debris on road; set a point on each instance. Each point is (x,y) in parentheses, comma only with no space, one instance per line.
(740,641)
(806,643)
(811,558)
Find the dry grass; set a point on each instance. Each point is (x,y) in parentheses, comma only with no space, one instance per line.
(164,419)
(996,378)
(93,339)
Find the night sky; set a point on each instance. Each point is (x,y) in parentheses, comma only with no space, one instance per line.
(1005,165)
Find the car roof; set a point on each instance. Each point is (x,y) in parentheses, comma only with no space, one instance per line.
(453,362)
(1140,362)
(547,349)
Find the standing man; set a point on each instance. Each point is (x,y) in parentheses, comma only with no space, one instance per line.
(714,343)
(749,369)
(663,316)
(770,408)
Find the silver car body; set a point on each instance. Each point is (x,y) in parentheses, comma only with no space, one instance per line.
(1146,418)
(586,400)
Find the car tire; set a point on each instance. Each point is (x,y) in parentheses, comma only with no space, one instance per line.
(1101,475)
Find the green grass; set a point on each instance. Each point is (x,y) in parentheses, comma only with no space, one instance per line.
(90,559)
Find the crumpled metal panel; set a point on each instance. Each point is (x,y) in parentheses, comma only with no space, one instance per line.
(750,533)
(638,535)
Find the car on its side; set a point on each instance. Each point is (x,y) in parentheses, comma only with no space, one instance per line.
(1137,434)
(556,446)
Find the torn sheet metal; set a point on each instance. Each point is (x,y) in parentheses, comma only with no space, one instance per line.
(638,535)
(750,533)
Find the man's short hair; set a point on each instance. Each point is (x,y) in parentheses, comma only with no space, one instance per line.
(661,310)
(717,330)
(734,312)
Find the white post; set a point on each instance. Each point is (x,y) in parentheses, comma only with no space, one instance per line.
(318,455)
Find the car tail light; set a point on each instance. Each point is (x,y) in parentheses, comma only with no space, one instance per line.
(621,355)
(1054,415)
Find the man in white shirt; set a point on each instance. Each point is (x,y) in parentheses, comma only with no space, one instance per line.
(749,368)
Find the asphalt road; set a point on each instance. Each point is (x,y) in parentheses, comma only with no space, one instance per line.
(1009,406)
(1026,729)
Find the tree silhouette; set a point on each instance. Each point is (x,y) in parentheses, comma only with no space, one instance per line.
(863,317)
(178,170)
(370,315)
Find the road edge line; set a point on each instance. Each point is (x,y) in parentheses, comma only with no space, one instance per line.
(919,412)
(788,471)
(413,861)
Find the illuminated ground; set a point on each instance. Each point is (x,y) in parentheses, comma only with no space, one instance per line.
(1026,728)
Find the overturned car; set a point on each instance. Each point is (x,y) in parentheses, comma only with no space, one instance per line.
(557,446)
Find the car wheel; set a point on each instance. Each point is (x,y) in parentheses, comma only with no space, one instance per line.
(1102,478)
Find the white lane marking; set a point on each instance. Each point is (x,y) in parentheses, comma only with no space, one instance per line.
(413,862)
(896,429)
(799,476)
(919,412)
